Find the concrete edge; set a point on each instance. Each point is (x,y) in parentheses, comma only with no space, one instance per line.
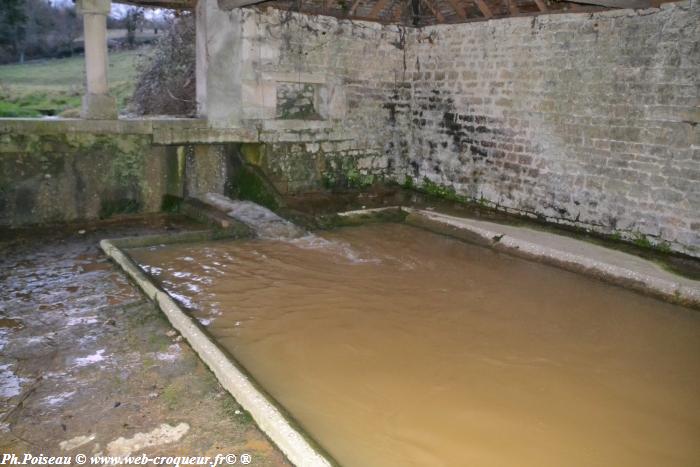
(169,238)
(269,418)
(655,286)
(364,212)
(366,216)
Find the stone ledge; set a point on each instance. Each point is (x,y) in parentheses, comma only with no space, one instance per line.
(271,419)
(48,126)
(164,130)
(567,253)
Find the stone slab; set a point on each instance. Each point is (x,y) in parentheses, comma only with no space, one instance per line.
(291,441)
(568,253)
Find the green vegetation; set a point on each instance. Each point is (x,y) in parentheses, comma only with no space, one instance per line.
(231,408)
(356,179)
(55,87)
(441,191)
(172,396)
(642,241)
(110,208)
(171,204)
(248,184)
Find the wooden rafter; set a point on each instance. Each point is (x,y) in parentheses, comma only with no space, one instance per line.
(232,4)
(458,9)
(619,3)
(378,8)
(484,8)
(541,5)
(399,11)
(435,10)
(354,6)
(174,4)
(512,7)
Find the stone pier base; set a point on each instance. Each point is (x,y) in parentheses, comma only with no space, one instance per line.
(99,107)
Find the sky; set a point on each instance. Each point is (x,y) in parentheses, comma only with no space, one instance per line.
(119,9)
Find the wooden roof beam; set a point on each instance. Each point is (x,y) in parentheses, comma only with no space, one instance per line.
(635,4)
(232,4)
(458,9)
(378,8)
(484,8)
(541,5)
(354,6)
(512,7)
(435,10)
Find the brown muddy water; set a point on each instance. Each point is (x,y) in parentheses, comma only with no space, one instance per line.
(393,346)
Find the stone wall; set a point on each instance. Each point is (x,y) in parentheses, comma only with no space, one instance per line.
(49,176)
(327,96)
(584,119)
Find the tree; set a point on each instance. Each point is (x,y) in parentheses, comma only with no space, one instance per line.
(13,19)
(36,28)
(131,20)
(69,27)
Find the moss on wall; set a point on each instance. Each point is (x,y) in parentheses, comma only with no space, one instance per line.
(297,168)
(60,177)
(247,180)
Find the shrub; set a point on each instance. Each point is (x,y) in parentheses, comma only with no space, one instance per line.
(166,77)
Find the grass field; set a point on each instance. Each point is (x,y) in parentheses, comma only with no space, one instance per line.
(55,87)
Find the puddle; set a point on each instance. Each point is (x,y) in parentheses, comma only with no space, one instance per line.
(437,352)
(10,323)
(10,383)
(164,434)
(171,355)
(90,359)
(59,399)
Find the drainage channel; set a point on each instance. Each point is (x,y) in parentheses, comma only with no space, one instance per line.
(296,445)
(300,449)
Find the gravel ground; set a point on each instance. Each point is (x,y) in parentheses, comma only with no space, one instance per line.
(89,366)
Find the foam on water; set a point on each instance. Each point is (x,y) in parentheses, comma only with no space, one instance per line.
(97,357)
(269,226)
(264,222)
(10,383)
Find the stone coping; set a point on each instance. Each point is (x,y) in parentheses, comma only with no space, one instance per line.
(163,130)
(609,265)
(166,130)
(270,417)
(567,253)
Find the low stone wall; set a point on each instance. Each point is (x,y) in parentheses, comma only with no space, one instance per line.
(63,170)
(57,177)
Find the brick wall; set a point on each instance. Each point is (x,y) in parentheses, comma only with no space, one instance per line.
(578,118)
(584,119)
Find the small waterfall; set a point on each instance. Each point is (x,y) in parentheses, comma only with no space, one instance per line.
(265,223)
(269,226)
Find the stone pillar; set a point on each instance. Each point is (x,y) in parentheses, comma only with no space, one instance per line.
(97,103)
(206,170)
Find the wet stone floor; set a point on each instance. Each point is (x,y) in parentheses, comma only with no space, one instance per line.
(89,366)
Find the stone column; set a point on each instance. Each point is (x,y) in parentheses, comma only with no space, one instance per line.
(97,103)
